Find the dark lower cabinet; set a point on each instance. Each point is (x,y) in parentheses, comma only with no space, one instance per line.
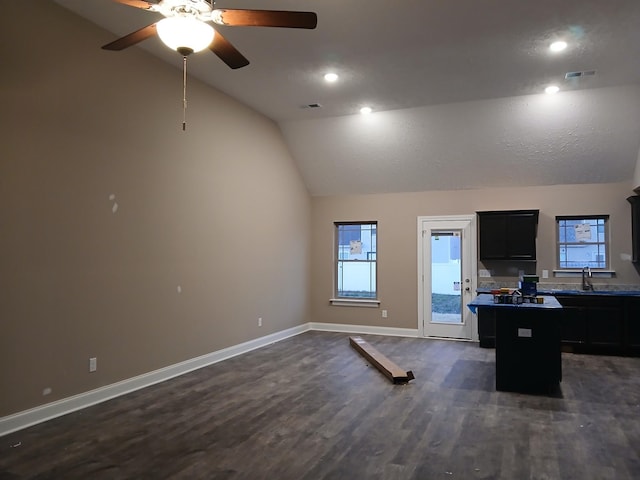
(593,324)
(604,328)
(632,323)
(487,327)
(573,327)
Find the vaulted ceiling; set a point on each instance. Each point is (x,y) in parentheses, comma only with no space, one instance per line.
(456,89)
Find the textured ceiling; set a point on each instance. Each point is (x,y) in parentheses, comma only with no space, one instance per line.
(577,137)
(455,87)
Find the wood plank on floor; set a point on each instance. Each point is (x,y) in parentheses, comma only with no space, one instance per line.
(388,368)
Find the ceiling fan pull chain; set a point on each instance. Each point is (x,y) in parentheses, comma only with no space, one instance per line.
(184,93)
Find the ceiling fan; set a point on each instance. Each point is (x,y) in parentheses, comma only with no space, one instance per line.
(185,27)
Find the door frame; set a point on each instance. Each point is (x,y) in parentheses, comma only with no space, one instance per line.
(423,276)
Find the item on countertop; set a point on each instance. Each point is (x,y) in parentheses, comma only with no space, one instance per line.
(516,298)
(529,285)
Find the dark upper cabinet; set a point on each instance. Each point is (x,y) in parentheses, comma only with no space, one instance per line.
(508,234)
(635,227)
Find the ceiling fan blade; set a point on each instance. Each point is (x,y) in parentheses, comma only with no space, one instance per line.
(136,3)
(227,52)
(132,38)
(264,18)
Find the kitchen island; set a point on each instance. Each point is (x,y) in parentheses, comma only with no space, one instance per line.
(528,343)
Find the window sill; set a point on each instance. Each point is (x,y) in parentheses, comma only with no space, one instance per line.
(578,273)
(355,302)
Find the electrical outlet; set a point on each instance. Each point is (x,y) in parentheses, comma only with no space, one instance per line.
(259,321)
(93,364)
(384,314)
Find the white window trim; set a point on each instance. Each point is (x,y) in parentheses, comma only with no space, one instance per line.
(355,302)
(573,272)
(566,273)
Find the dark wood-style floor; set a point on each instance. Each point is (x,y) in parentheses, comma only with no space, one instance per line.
(310,407)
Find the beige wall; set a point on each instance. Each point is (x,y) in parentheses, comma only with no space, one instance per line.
(397,214)
(219,210)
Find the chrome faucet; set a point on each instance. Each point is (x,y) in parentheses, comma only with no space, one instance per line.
(586,278)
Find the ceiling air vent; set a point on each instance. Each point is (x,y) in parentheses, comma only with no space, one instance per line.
(585,73)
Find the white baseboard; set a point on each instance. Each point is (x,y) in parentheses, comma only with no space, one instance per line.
(27,418)
(364,329)
(33,416)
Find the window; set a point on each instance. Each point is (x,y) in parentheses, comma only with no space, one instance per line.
(356,260)
(445,247)
(583,242)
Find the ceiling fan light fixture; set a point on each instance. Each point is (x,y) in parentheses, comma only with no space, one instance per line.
(185,34)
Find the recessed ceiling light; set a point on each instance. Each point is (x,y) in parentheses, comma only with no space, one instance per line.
(365,110)
(330,77)
(558,46)
(551,89)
